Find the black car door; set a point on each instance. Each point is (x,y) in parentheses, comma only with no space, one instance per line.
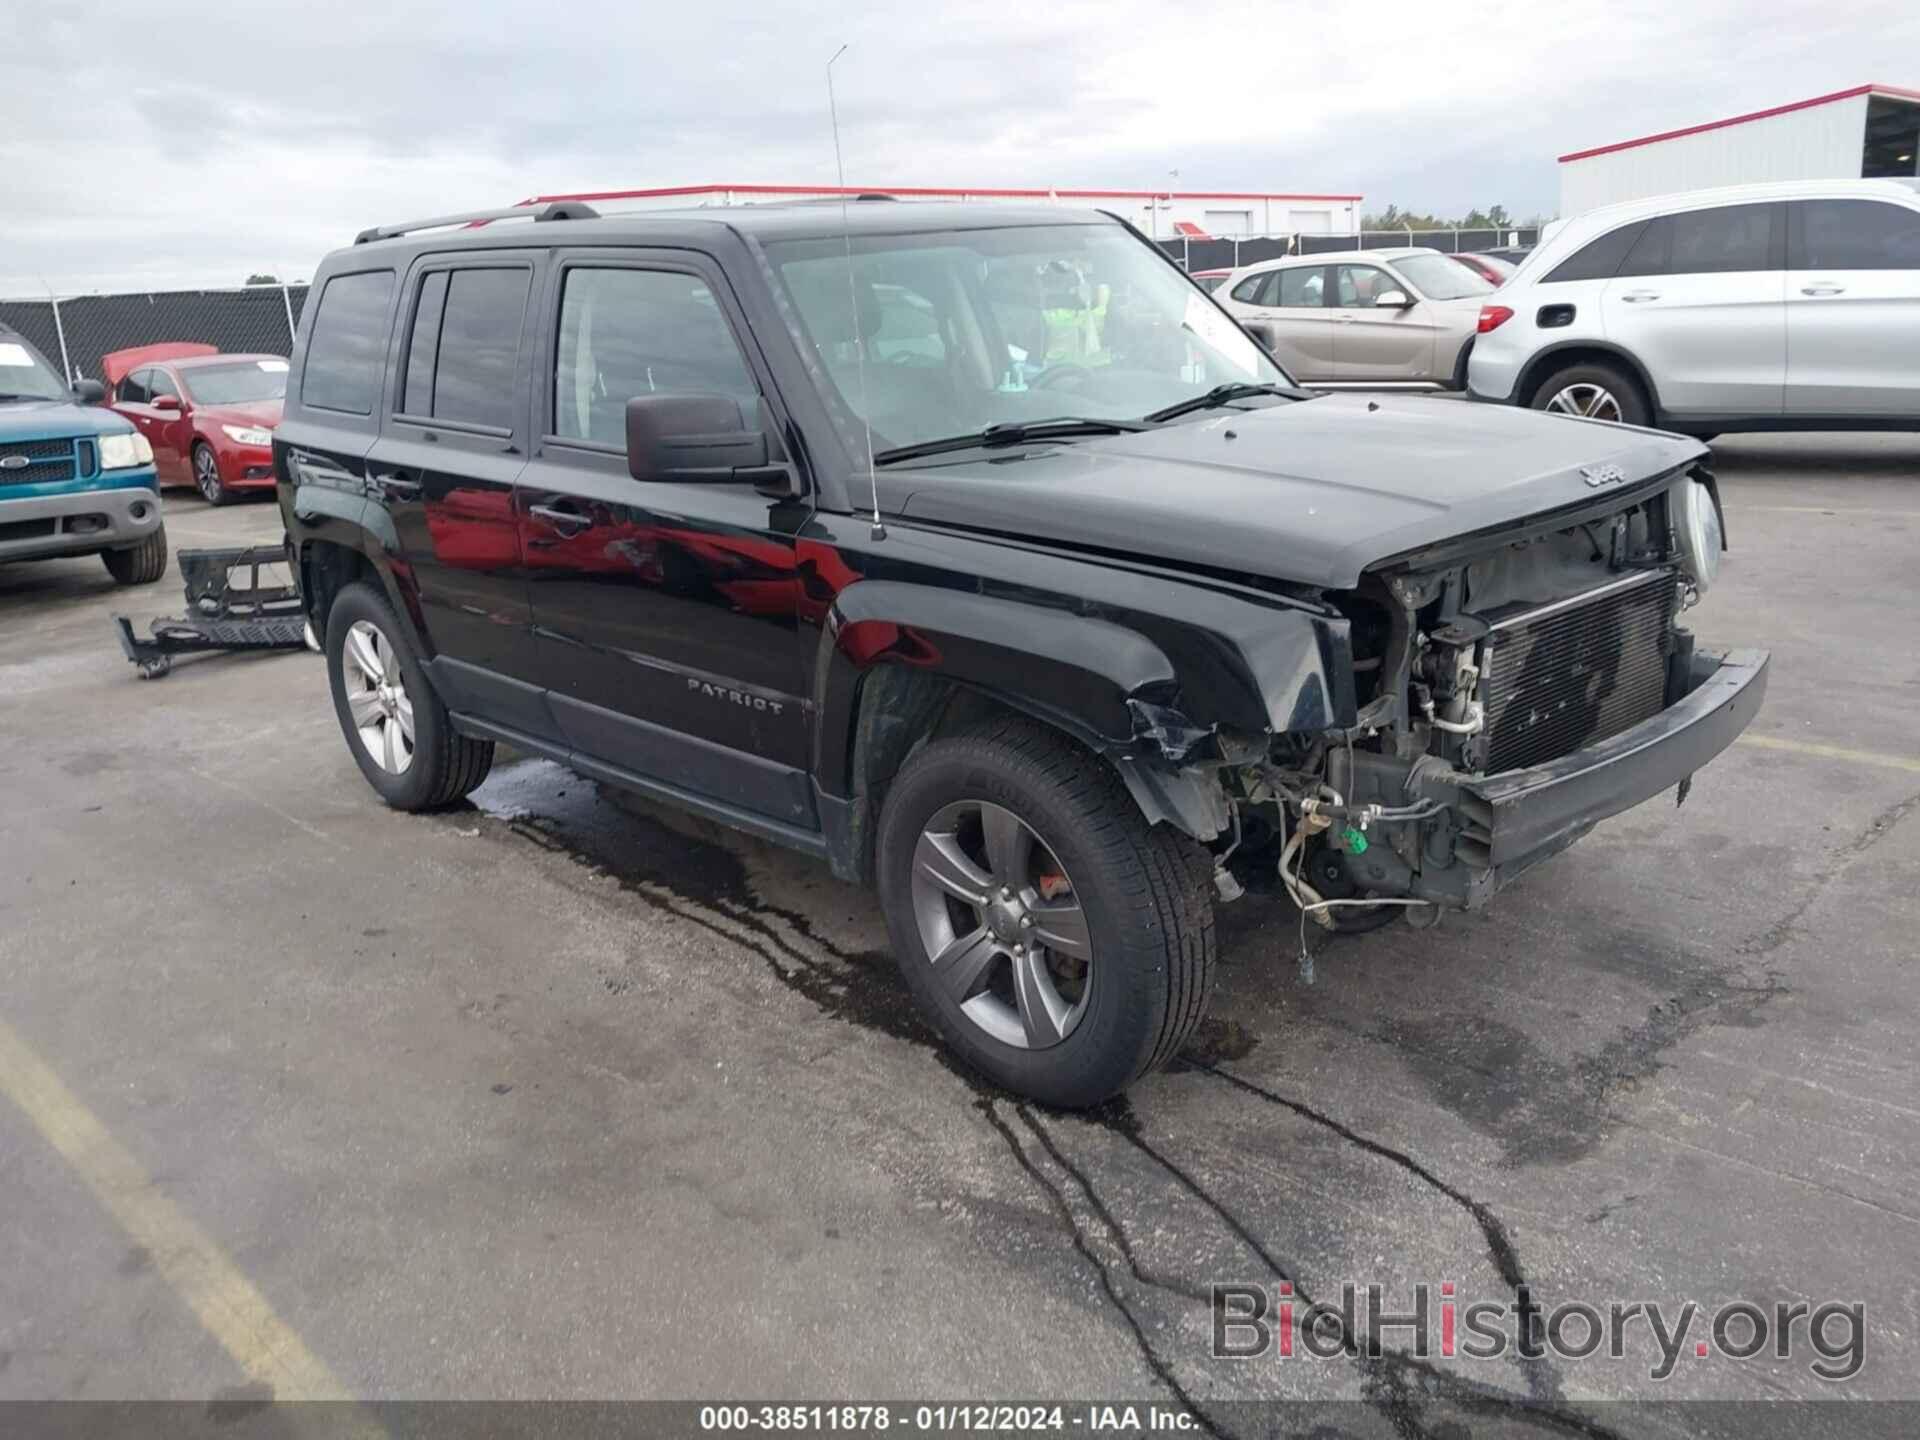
(664,613)
(452,444)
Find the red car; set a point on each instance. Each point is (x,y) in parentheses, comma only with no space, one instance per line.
(209,417)
(1491,268)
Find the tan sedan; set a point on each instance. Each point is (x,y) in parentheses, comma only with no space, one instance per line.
(1368,317)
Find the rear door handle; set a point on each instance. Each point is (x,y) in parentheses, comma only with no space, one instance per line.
(1637,297)
(1823,289)
(567,522)
(398,487)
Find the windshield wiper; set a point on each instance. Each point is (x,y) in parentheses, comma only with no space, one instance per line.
(1012,432)
(1225,394)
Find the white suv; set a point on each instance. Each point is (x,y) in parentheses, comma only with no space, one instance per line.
(1756,307)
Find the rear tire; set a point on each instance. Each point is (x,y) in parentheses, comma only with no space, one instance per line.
(380,693)
(1594,391)
(142,564)
(1124,973)
(206,475)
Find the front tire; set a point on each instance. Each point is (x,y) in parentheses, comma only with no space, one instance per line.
(1061,946)
(142,564)
(399,732)
(206,475)
(1594,391)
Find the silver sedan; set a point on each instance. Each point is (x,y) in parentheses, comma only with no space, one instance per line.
(1368,317)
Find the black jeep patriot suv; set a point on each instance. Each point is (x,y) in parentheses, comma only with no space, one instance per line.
(977,551)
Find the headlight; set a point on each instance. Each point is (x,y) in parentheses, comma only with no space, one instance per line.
(248,435)
(1696,525)
(123,452)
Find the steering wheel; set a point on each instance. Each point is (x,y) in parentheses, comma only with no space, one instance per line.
(1055,374)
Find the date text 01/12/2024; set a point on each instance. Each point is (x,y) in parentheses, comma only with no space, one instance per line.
(948,1419)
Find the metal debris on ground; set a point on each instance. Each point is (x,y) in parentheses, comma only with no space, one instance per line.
(230,607)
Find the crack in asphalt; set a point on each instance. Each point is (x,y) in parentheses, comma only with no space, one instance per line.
(1395,1383)
(1155,1362)
(1543,1382)
(1877,829)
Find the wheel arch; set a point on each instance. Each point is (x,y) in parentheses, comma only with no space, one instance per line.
(1577,352)
(336,549)
(884,687)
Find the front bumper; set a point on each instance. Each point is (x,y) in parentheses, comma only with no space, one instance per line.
(79,522)
(245,467)
(1519,818)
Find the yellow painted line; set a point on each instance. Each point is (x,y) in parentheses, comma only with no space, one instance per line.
(1833,512)
(226,1302)
(1833,752)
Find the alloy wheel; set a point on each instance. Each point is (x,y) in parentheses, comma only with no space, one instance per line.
(206,474)
(1002,925)
(1590,401)
(377,697)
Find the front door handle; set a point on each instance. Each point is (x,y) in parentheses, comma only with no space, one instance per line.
(1823,289)
(567,522)
(1639,297)
(398,487)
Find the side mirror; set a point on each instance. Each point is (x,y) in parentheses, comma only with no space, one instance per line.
(89,392)
(702,438)
(1392,300)
(166,402)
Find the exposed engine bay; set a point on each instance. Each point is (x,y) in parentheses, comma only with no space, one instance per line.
(1488,658)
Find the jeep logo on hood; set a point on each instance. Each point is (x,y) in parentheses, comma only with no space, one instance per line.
(1598,475)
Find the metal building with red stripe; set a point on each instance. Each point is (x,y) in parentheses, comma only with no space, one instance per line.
(1866,132)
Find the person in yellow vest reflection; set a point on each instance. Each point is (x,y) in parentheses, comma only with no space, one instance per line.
(1076,314)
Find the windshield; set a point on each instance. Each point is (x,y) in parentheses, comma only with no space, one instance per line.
(1440,277)
(237,384)
(24,375)
(970,328)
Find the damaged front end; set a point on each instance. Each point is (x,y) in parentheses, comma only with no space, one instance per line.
(1510,691)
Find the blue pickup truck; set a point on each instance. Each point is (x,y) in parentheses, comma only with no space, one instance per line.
(75,478)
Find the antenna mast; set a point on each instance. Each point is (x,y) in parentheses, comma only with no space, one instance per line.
(879,531)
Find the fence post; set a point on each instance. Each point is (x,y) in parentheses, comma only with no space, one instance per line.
(286,299)
(59,329)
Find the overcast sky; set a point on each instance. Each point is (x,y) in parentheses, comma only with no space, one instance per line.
(209,139)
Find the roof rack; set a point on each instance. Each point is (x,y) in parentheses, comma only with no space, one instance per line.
(558,210)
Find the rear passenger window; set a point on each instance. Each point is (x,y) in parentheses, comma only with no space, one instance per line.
(348,344)
(464,351)
(1246,291)
(640,332)
(1854,235)
(1302,288)
(1598,259)
(133,388)
(1724,240)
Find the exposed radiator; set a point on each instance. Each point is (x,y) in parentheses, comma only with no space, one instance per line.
(1576,671)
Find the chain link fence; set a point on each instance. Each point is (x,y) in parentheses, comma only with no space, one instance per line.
(1231,254)
(75,331)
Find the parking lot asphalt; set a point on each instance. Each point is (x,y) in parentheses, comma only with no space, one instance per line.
(563,1095)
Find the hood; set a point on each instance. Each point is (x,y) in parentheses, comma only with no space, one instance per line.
(250,412)
(57,420)
(116,365)
(1311,491)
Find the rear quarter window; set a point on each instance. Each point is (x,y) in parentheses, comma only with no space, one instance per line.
(1597,259)
(346,352)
